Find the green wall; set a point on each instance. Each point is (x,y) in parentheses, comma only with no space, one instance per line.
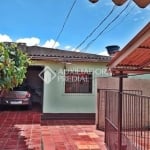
(57,101)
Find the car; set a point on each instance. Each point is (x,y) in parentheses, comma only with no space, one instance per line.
(16,98)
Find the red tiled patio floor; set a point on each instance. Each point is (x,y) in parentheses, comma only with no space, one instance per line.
(23,130)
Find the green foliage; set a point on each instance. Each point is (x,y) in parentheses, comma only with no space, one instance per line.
(13,66)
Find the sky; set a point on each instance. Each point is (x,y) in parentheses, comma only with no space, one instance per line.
(37,22)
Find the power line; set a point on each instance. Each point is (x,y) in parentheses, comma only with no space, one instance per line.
(92,41)
(94,30)
(122,20)
(65,21)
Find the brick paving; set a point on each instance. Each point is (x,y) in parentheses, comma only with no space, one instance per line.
(24,130)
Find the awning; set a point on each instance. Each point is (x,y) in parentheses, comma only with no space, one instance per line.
(135,56)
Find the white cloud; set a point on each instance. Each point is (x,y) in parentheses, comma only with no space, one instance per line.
(29,41)
(67,47)
(50,44)
(104,53)
(5,38)
(70,48)
(32,41)
(75,50)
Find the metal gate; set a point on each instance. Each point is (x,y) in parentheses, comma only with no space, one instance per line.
(129,130)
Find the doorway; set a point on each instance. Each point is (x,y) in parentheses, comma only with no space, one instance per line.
(35,86)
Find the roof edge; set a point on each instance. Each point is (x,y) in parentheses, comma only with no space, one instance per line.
(140,35)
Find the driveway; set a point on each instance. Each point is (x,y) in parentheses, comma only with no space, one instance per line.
(24,130)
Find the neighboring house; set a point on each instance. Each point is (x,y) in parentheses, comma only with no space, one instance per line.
(131,111)
(69,86)
(133,59)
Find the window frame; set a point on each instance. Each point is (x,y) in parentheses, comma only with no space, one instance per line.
(79,91)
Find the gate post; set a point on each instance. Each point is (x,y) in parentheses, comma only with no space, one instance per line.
(120,111)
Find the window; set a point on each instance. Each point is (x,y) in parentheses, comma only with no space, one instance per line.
(78,82)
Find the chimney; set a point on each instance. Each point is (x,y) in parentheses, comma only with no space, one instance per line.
(112,50)
(22,46)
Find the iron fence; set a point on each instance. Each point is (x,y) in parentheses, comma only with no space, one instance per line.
(134,133)
(101,99)
(136,121)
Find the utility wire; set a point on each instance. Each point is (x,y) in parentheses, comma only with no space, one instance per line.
(122,20)
(91,42)
(94,30)
(65,21)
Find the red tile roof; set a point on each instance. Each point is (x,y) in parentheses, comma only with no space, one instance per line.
(140,3)
(135,56)
(138,58)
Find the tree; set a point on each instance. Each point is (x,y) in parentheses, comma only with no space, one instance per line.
(13,66)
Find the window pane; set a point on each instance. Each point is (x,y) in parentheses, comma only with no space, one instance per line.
(78,82)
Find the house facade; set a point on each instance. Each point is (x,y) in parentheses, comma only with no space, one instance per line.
(65,81)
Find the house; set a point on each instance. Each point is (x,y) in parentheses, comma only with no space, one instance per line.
(64,82)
